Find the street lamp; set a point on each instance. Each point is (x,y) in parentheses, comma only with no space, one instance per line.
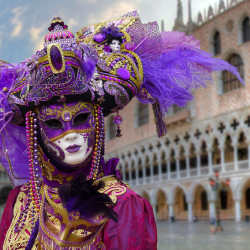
(216,186)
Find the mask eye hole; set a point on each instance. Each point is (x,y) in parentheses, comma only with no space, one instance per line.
(54,124)
(81,119)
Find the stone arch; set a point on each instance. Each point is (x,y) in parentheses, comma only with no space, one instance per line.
(145,195)
(226,210)
(161,207)
(245,202)
(172,192)
(180,202)
(153,194)
(237,193)
(228,149)
(200,194)
(192,188)
(242,146)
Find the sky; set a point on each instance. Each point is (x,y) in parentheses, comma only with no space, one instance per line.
(23,23)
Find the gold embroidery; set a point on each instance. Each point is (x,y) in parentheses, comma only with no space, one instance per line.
(113,188)
(44,111)
(67,239)
(19,240)
(127,63)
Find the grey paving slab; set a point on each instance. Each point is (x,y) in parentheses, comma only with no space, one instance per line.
(197,236)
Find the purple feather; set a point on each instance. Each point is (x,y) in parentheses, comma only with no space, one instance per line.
(172,77)
(82,196)
(90,58)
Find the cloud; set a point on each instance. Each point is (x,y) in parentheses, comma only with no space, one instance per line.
(16,21)
(116,10)
(36,35)
(72,24)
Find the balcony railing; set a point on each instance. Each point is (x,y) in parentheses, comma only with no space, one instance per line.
(193,172)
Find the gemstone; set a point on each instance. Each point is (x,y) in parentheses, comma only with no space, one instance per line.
(130,46)
(123,73)
(56,57)
(67,116)
(98,38)
(117,120)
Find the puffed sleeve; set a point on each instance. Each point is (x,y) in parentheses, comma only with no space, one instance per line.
(8,214)
(136,227)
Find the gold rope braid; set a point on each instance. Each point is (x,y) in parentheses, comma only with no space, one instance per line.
(19,240)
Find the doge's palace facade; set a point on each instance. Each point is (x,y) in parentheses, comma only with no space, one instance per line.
(211,132)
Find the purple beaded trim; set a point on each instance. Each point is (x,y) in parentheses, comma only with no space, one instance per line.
(113,79)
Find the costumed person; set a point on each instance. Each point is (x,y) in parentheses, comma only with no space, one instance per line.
(53,137)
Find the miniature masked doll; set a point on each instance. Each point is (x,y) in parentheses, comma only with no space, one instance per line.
(52,110)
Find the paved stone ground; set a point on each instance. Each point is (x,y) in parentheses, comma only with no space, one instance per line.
(197,236)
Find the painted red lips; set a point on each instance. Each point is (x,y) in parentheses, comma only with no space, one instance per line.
(73,148)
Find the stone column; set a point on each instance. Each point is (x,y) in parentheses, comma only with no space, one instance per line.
(187,165)
(160,171)
(198,157)
(124,173)
(210,163)
(237,210)
(170,210)
(178,167)
(169,169)
(130,176)
(190,211)
(236,166)
(144,174)
(137,175)
(151,172)
(212,213)
(222,158)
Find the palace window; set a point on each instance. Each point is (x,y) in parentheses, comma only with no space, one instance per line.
(246,29)
(230,81)
(217,44)
(143,114)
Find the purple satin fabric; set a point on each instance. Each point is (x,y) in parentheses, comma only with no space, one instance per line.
(136,227)
(109,167)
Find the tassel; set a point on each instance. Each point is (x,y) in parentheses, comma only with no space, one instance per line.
(33,236)
(161,126)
